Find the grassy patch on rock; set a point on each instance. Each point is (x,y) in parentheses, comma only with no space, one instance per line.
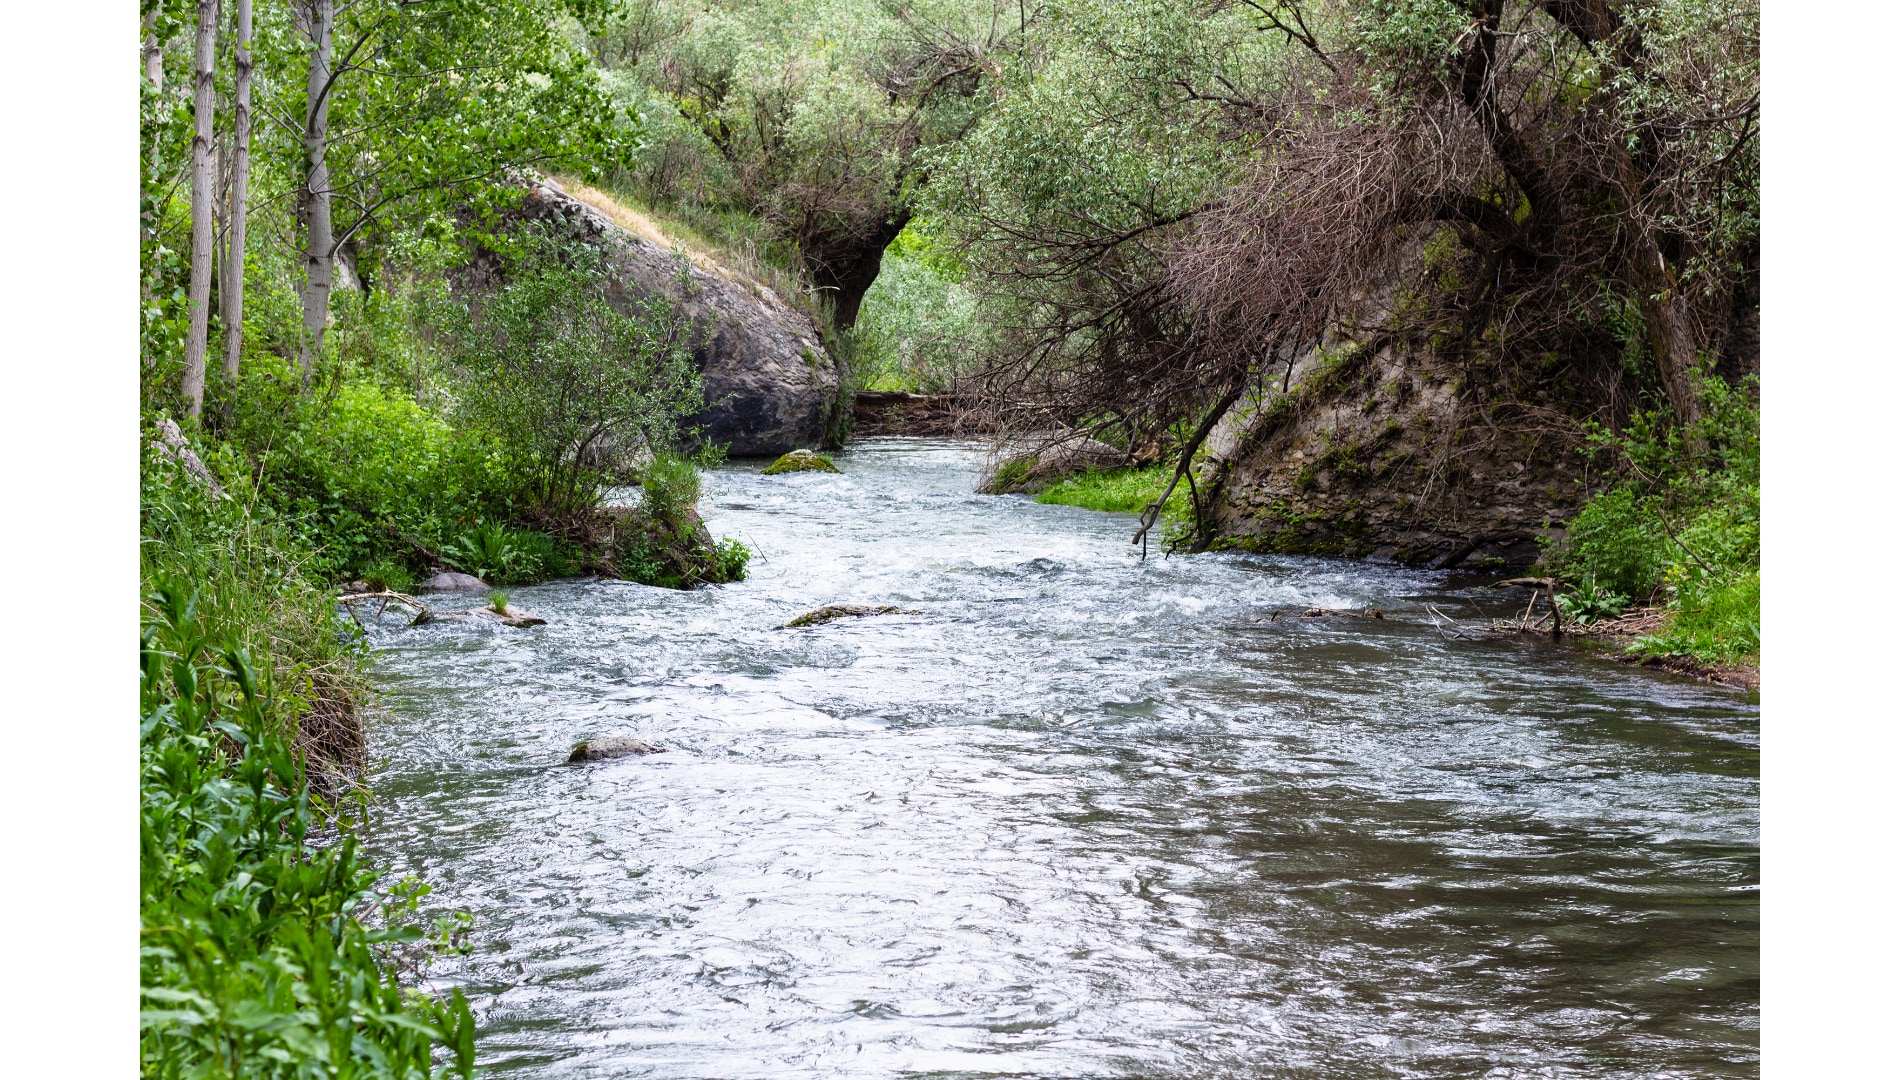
(1124,491)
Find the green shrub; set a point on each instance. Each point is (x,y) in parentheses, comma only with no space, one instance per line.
(1712,619)
(1682,526)
(665,544)
(729,560)
(363,473)
(1589,601)
(387,573)
(552,369)
(915,329)
(1617,541)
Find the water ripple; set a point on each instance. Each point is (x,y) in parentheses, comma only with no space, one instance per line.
(1083,818)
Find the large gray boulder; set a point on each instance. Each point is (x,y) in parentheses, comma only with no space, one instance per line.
(770,385)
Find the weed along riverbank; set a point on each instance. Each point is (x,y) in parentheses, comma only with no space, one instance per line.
(1062,812)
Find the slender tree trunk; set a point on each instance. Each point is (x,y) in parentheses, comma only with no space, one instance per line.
(154,51)
(233,293)
(197,337)
(319,17)
(1671,332)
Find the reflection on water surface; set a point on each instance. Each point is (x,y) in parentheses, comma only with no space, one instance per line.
(1084,818)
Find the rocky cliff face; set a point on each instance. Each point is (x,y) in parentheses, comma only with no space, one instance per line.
(1380,446)
(770,385)
(1377,453)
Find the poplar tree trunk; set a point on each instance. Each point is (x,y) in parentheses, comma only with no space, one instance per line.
(319,20)
(233,291)
(197,337)
(154,52)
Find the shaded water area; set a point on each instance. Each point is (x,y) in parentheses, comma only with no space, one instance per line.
(1086,817)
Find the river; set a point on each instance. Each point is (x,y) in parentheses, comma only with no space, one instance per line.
(1087,816)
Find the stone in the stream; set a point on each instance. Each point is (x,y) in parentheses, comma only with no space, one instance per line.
(800,461)
(613,746)
(509,615)
(846,611)
(452,582)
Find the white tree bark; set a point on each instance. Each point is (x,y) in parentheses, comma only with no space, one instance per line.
(319,21)
(154,52)
(233,291)
(197,337)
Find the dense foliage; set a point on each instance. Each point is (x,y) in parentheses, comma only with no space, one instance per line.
(266,948)
(814,118)
(386,428)
(564,379)
(1681,526)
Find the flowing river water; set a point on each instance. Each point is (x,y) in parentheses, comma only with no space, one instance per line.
(1087,816)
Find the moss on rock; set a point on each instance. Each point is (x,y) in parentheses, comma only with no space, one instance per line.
(801,461)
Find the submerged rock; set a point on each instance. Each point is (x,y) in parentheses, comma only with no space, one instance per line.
(846,611)
(509,615)
(453,582)
(800,461)
(613,746)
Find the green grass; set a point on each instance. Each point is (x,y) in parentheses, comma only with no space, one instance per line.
(1719,623)
(1122,491)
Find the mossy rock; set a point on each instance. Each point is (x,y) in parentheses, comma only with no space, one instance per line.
(801,461)
(846,611)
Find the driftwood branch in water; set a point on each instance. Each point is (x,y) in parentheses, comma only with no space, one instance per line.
(1549,585)
(384,595)
(1152,512)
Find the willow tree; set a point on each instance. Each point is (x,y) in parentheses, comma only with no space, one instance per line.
(817,117)
(1173,201)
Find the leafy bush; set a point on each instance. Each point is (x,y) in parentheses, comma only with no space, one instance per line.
(361,472)
(387,573)
(730,558)
(915,330)
(555,371)
(487,551)
(1616,540)
(1683,525)
(1716,620)
(1588,601)
(666,544)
